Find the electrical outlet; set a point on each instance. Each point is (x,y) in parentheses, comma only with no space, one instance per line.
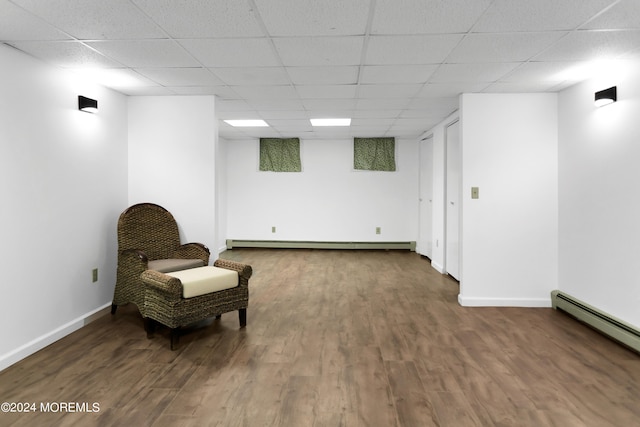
(273,229)
(94,274)
(377,230)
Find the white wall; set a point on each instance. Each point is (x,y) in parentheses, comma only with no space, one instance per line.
(63,183)
(328,201)
(172,146)
(599,203)
(510,234)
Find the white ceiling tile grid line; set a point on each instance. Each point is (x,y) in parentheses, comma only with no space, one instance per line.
(387,63)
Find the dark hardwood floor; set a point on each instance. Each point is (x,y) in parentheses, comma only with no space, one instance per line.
(336,338)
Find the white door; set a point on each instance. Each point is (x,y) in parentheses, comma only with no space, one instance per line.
(425,237)
(452,236)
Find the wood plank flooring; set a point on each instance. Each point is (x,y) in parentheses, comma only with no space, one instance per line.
(337,338)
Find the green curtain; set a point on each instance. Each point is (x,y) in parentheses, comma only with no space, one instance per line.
(374,154)
(280,154)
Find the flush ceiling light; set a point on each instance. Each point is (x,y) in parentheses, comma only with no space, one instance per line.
(606,96)
(87,104)
(247,123)
(330,122)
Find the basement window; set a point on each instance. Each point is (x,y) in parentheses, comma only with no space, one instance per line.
(374,154)
(280,155)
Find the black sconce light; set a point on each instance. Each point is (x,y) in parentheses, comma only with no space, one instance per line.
(87,104)
(606,96)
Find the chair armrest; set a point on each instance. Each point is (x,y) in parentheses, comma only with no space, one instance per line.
(193,251)
(132,262)
(156,281)
(244,270)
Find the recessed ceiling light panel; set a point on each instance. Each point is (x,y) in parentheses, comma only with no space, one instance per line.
(330,122)
(247,123)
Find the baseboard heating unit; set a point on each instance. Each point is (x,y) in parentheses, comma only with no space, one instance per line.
(294,244)
(614,328)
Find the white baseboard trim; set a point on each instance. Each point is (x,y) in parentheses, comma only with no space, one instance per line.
(504,302)
(439,268)
(300,244)
(41,342)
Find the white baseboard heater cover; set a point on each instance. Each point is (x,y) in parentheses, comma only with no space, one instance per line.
(614,328)
(294,244)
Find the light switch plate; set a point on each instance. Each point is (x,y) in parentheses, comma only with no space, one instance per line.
(475,192)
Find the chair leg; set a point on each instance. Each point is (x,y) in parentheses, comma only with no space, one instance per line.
(149,326)
(113,308)
(242,314)
(175,337)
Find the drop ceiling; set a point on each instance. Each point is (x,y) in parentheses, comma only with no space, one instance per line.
(396,67)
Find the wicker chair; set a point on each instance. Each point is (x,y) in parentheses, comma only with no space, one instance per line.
(164,302)
(148,238)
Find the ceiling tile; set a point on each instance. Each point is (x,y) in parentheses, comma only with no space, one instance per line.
(592,45)
(67,54)
(232,105)
(222,92)
(388,90)
(440,90)
(181,76)
(424,49)
(382,103)
(624,15)
(232,52)
(507,87)
(538,15)
(329,104)
(426,16)
(288,61)
(251,76)
(502,47)
(453,73)
(116,78)
(238,115)
(396,73)
(270,92)
(270,104)
(363,122)
(376,114)
(95,19)
(326,91)
(320,51)
(313,17)
(145,53)
(147,91)
(285,114)
(323,75)
(510,87)
(18,24)
(434,105)
(545,72)
(203,19)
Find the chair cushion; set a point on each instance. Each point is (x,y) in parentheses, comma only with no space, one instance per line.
(204,280)
(173,264)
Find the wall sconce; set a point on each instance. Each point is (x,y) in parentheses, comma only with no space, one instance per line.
(87,104)
(606,96)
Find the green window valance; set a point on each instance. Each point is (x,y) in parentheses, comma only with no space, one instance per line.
(280,155)
(374,154)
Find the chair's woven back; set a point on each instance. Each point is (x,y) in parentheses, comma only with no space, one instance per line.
(150,228)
